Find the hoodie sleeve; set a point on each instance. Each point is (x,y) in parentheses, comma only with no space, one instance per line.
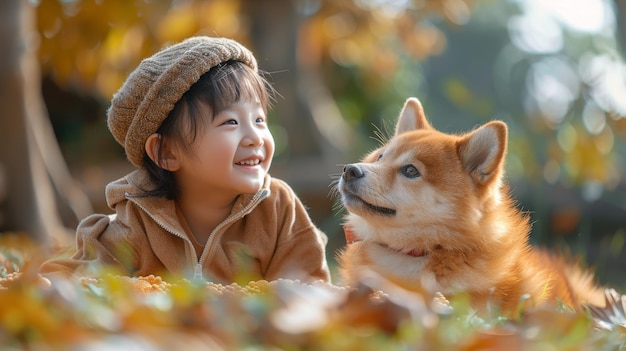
(99,241)
(301,246)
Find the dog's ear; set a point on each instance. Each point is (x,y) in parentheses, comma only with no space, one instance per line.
(482,151)
(412,117)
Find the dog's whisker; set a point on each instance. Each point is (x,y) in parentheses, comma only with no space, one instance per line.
(335,176)
(387,132)
(341,167)
(333,192)
(381,134)
(337,208)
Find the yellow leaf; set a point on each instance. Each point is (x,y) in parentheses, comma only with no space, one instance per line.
(177,24)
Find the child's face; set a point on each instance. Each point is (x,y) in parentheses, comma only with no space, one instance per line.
(231,155)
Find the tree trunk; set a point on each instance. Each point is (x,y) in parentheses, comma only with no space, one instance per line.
(28,204)
(274,33)
(316,133)
(620,31)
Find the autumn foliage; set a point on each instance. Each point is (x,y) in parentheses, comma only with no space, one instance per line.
(151,313)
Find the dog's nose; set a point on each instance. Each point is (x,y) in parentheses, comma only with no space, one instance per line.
(351,172)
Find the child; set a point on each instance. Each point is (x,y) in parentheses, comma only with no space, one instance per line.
(201,204)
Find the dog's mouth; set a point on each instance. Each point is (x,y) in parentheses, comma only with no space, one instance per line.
(349,200)
(415,252)
(351,237)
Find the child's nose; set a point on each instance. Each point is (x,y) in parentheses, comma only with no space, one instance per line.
(254,137)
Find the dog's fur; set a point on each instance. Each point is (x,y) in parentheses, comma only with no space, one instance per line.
(430,211)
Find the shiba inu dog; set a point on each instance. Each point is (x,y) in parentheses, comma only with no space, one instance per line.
(430,210)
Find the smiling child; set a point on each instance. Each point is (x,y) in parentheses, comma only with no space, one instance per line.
(193,120)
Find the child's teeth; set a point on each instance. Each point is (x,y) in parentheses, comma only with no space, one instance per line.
(250,162)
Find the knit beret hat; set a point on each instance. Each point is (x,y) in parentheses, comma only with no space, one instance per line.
(153,88)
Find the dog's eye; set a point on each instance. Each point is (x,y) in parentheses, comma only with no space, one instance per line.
(410,171)
(379,156)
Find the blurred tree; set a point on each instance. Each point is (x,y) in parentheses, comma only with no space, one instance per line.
(304,109)
(95,44)
(29,153)
(341,66)
(620,13)
(91,46)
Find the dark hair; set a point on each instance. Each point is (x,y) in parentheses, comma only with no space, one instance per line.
(220,87)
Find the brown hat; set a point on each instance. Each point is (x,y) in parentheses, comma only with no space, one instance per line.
(153,88)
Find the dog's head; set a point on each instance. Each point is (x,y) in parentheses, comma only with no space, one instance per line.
(425,190)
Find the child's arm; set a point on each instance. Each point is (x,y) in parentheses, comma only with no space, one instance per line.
(301,257)
(97,245)
(301,250)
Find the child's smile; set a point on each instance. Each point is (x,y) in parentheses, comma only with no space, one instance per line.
(252,165)
(231,155)
(249,162)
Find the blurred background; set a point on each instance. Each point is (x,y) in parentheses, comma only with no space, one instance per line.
(553,70)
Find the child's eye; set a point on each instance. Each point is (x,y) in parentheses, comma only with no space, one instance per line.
(260,120)
(231,122)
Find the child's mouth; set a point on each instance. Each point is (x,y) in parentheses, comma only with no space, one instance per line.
(253,162)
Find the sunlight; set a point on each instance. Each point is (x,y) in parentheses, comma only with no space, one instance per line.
(539,28)
(551,28)
(390,8)
(588,16)
(607,76)
(534,33)
(553,86)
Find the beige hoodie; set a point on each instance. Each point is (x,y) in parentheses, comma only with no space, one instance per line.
(268,235)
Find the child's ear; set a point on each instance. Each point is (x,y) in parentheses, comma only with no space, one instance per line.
(412,117)
(161,154)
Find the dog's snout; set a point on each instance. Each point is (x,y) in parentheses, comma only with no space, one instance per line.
(351,172)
